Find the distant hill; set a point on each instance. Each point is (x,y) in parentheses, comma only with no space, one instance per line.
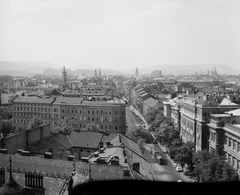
(186,69)
(30,68)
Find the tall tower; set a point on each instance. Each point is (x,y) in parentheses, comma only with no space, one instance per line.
(136,73)
(64,75)
(95,74)
(99,73)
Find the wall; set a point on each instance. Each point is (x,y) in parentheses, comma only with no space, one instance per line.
(20,140)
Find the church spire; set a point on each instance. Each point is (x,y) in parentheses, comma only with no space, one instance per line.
(95,73)
(64,75)
(99,73)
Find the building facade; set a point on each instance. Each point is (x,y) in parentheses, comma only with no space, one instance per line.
(108,115)
(195,115)
(225,136)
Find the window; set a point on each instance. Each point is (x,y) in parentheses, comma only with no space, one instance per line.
(88,118)
(92,119)
(97,119)
(84,118)
(105,112)
(88,111)
(45,109)
(101,111)
(116,128)
(63,110)
(101,126)
(110,127)
(101,118)
(115,112)
(93,112)
(97,111)
(116,120)
(105,119)
(110,119)
(72,111)
(105,126)
(229,142)
(80,118)
(62,117)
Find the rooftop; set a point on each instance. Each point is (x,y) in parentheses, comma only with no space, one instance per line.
(151,102)
(68,100)
(33,100)
(234,112)
(85,139)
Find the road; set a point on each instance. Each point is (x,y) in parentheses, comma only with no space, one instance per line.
(131,119)
(163,172)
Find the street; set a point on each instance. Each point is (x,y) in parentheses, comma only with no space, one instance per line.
(162,172)
(131,119)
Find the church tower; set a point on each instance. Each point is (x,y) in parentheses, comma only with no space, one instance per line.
(64,75)
(95,74)
(99,73)
(136,73)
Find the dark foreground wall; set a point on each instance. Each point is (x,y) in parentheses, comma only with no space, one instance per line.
(23,139)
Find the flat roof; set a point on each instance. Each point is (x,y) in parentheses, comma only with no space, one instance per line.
(220,115)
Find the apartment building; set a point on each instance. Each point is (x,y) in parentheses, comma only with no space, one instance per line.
(108,115)
(195,115)
(225,136)
(25,108)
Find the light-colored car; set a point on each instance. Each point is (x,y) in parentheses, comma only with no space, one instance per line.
(179,180)
(175,164)
(178,169)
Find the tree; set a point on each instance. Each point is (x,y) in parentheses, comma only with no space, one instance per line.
(151,115)
(211,167)
(36,122)
(92,127)
(184,154)
(64,126)
(167,135)
(6,127)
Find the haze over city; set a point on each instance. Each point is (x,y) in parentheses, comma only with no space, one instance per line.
(121,34)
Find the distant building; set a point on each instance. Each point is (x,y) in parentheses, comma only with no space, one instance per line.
(136,73)
(156,74)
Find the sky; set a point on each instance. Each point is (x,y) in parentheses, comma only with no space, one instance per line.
(121,34)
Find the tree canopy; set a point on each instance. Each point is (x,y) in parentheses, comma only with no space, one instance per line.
(36,122)
(6,127)
(211,167)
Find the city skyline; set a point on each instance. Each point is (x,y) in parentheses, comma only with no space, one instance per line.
(121,35)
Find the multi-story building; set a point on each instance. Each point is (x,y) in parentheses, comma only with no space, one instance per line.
(108,115)
(25,108)
(195,114)
(172,110)
(225,136)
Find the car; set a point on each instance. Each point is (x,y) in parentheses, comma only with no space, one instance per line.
(179,180)
(178,169)
(142,122)
(175,164)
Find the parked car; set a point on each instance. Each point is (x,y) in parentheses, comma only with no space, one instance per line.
(178,169)
(175,164)
(179,180)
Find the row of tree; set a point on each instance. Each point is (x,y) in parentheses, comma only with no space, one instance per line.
(203,165)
